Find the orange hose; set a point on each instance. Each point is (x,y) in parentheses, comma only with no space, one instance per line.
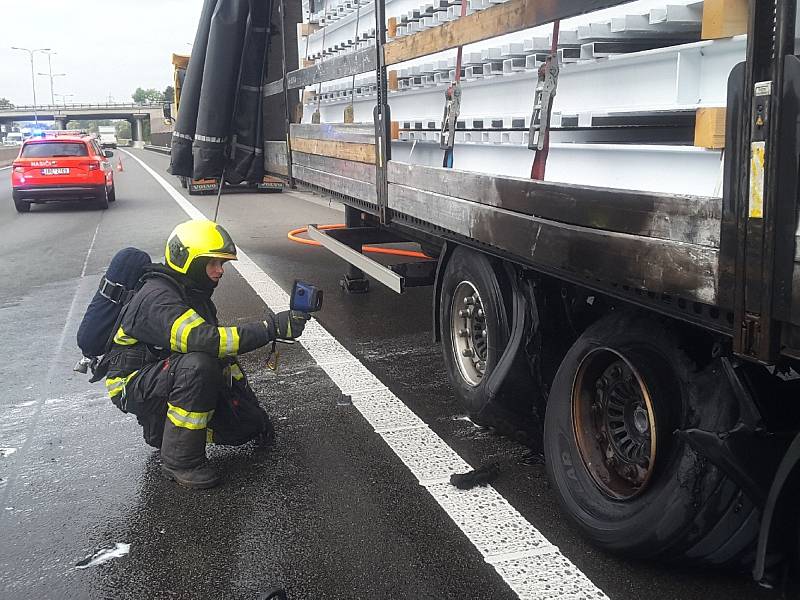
(294,234)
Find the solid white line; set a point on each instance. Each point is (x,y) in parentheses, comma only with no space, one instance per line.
(522,556)
(89,253)
(4,168)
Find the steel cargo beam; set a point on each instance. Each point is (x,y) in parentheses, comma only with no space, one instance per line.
(665,267)
(689,219)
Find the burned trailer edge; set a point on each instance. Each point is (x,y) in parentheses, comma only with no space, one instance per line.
(587,324)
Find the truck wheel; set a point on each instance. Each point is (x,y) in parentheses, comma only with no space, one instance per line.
(622,475)
(474,324)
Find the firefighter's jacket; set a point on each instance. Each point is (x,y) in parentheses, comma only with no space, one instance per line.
(166,315)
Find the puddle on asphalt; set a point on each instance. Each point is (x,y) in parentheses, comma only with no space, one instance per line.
(103,555)
(465,418)
(7,452)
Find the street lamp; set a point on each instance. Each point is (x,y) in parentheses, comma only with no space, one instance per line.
(31,52)
(50,74)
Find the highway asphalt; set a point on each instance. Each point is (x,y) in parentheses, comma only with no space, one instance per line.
(329,512)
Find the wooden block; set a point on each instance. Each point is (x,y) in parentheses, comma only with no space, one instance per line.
(306,29)
(391,27)
(307,62)
(709,128)
(393,80)
(364,153)
(724,18)
(395,131)
(508,17)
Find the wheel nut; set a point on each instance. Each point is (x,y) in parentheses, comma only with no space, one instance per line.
(480,312)
(464,313)
(467,352)
(469,300)
(481,365)
(463,333)
(484,333)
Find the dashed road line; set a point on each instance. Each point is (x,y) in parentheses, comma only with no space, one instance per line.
(532,567)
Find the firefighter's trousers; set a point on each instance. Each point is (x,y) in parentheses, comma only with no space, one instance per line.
(186,402)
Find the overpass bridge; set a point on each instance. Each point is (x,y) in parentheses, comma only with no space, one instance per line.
(61,114)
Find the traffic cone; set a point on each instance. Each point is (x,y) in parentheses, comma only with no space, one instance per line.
(119,164)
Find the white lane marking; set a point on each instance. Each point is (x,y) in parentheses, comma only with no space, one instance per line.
(533,567)
(4,168)
(89,253)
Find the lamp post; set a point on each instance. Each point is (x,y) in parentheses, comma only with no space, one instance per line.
(31,52)
(51,75)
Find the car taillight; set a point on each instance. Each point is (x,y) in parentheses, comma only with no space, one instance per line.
(92,166)
(18,168)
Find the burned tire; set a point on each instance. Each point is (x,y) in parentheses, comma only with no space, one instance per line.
(474,324)
(623,475)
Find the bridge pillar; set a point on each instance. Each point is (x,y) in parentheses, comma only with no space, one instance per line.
(138,132)
(60,123)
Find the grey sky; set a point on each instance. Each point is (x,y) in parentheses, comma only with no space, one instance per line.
(104,46)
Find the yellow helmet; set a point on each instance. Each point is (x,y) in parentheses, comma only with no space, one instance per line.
(193,239)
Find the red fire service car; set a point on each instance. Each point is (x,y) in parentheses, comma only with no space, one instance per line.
(62,166)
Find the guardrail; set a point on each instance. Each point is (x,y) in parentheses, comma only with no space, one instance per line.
(159,149)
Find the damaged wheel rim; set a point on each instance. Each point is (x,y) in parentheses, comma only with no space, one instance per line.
(469,333)
(614,423)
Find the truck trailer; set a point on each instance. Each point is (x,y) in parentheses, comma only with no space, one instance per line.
(608,201)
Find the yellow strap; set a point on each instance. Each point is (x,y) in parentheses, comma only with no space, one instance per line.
(115,385)
(228,341)
(124,339)
(209,436)
(187,419)
(179,333)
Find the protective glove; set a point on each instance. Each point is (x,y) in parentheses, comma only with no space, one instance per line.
(288,325)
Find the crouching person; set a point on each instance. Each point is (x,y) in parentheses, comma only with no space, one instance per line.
(174,367)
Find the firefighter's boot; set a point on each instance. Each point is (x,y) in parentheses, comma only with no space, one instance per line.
(200,477)
(190,408)
(183,457)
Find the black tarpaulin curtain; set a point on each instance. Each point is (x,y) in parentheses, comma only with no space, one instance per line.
(220,116)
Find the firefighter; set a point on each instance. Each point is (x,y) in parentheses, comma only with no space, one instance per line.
(173,365)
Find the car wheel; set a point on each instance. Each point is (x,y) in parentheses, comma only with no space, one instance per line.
(22,206)
(622,475)
(102,199)
(184,183)
(112,195)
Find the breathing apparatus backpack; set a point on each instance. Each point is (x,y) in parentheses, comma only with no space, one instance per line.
(117,287)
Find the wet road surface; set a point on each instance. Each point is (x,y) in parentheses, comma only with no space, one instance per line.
(329,512)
